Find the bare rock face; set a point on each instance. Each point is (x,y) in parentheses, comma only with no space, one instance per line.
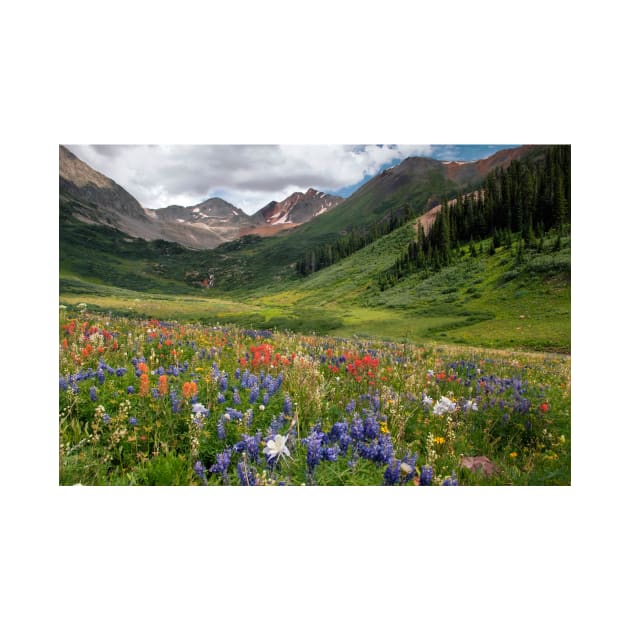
(83,183)
(297,208)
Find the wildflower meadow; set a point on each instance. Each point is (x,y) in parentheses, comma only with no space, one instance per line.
(148,402)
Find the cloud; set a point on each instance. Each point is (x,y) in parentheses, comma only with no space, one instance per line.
(248,176)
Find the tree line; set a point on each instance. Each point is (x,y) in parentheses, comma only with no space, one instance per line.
(526,199)
(327,254)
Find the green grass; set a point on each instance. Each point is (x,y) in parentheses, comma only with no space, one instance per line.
(483,301)
(134,422)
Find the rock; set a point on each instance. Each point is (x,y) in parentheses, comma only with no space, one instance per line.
(480,462)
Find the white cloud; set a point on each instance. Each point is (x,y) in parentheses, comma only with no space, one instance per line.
(248,176)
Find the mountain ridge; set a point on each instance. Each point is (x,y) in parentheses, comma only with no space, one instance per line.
(98,199)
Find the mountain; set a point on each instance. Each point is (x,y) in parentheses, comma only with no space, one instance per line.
(418,181)
(298,208)
(203,226)
(97,199)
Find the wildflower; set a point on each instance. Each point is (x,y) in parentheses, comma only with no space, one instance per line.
(249,445)
(93,393)
(133,421)
(198,408)
(439,440)
(163,385)
(444,405)
(221,427)
(392,473)
(130,389)
(451,481)
(287,407)
(236,397)
(246,474)
(544,407)
(200,471)
(276,448)
(144,385)
(470,405)
(426,474)
(222,464)
(189,389)
(513,454)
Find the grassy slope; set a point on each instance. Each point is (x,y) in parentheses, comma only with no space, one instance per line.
(476,301)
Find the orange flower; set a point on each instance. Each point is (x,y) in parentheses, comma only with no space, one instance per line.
(144,384)
(143,367)
(163,386)
(189,389)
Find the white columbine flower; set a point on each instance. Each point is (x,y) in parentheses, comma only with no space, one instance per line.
(470,405)
(277,447)
(427,401)
(444,405)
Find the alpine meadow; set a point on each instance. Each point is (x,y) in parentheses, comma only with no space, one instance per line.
(407,325)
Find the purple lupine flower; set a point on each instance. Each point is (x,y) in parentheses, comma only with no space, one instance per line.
(223,383)
(253,396)
(350,406)
(451,481)
(222,464)
(265,398)
(249,444)
(392,473)
(246,475)
(287,407)
(133,421)
(63,383)
(130,389)
(93,395)
(198,408)
(200,471)
(100,375)
(276,424)
(220,398)
(426,475)
(408,467)
(106,418)
(221,428)
(371,427)
(121,371)
(356,429)
(236,397)
(313,449)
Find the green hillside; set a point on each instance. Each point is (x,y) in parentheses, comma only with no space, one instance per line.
(502,285)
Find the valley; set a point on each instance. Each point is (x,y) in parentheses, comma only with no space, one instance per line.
(417,332)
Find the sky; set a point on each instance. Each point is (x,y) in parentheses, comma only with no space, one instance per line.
(250,176)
